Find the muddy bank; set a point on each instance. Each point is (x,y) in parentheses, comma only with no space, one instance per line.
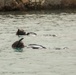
(36,4)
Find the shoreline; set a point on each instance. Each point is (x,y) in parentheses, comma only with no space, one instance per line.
(4,9)
(26,5)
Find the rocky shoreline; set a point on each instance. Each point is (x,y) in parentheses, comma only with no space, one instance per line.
(9,5)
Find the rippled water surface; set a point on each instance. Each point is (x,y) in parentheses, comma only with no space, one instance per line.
(56,30)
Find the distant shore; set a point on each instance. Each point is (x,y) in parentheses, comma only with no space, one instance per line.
(13,5)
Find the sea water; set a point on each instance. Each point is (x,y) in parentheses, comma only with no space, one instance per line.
(56,30)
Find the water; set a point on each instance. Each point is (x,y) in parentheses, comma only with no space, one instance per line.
(56,30)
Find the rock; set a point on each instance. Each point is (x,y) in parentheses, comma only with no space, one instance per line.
(68,3)
(36,4)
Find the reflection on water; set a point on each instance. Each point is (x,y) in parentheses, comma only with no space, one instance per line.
(18,50)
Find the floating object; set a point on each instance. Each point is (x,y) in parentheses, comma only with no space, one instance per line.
(18,44)
(65,48)
(57,48)
(31,33)
(36,46)
(53,35)
(20,32)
